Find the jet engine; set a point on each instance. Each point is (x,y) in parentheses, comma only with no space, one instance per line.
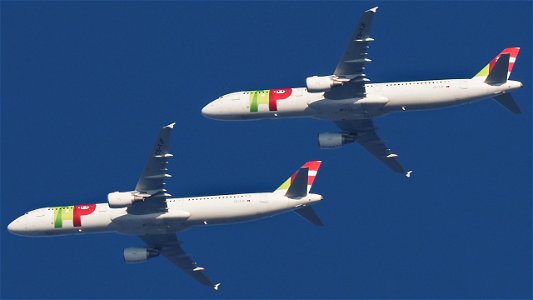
(334,140)
(317,84)
(123,199)
(139,255)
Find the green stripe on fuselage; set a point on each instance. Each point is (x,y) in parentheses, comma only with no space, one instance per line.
(62,213)
(258,97)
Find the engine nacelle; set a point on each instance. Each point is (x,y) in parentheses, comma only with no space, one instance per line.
(121,199)
(139,255)
(317,84)
(334,140)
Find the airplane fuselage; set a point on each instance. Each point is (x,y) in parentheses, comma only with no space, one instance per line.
(182,214)
(381,98)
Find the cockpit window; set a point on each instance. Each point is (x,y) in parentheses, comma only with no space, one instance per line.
(37,212)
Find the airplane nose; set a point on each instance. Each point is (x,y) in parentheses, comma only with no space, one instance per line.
(205,110)
(208,111)
(15,226)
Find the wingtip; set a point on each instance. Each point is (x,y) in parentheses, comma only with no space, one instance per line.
(408,174)
(373,9)
(215,287)
(171,125)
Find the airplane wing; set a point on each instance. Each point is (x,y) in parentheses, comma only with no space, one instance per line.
(351,67)
(151,184)
(169,247)
(365,134)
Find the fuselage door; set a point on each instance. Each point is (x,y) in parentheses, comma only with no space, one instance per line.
(179,202)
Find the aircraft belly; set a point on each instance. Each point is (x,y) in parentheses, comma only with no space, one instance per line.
(347,109)
(154,223)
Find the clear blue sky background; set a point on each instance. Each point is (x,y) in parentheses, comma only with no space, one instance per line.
(87,85)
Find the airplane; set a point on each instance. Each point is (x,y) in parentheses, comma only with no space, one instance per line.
(150,213)
(349,99)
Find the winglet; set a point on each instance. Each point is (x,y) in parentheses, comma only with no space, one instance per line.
(408,174)
(215,286)
(171,126)
(373,9)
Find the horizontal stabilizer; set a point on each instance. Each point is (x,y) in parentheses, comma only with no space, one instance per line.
(507,101)
(498,74)
(298,186)
(308,213)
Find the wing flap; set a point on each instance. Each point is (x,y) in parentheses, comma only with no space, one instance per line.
(170,248)
(365,134)
(152,180)
(352,63)
(155,170)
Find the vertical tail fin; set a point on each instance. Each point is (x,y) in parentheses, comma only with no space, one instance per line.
(310,167)
(298,188)
(499,73)
(513,53)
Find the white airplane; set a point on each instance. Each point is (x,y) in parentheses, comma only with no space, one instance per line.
(348,99)
(151,214)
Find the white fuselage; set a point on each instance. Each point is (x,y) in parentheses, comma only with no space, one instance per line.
(182,213)
(381,98)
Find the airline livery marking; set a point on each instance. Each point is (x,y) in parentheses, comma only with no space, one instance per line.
(73,212)
(269,97)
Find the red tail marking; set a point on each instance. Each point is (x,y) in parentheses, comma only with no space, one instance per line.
(513,53)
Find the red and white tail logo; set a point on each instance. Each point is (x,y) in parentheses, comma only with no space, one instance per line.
(312,167)
(513,54)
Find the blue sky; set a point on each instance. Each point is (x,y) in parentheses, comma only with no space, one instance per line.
(85,87)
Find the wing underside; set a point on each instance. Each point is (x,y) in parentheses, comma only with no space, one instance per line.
(169,247)
(151,184)
(351,67)
(365,134)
